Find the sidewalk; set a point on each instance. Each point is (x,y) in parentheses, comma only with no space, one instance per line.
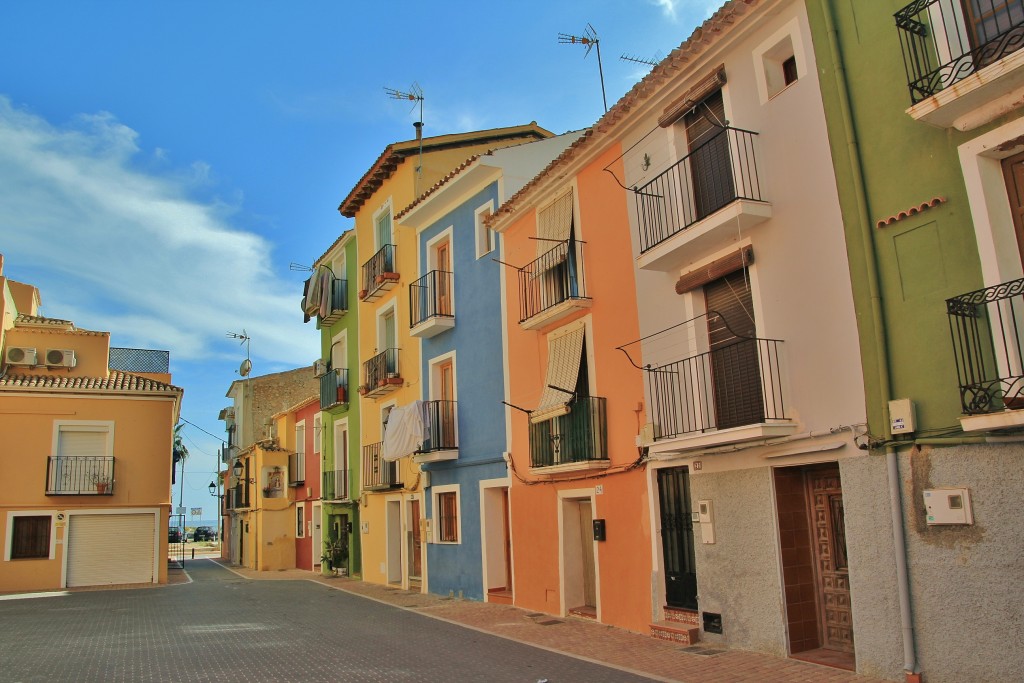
(583,638)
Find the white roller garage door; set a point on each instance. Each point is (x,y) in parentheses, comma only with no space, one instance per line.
(108,549)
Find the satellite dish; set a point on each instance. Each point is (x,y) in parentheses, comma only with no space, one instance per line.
(245,368)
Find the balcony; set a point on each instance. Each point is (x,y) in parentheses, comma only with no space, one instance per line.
(334,389)
(335,485)
(698,204)
(727,395)
(431,309)
(987,330)
(961,57)
(80,475)
(442,442)
(378,474)
(576,440)
(379,274)
(553,286)
(296,469)
(238,497)
(339,302)
(381,375)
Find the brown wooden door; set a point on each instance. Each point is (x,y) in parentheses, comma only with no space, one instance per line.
(735,369)
(709,161)
(1013,172)
(828,529)
(444,268)
(416,562)
(446,409)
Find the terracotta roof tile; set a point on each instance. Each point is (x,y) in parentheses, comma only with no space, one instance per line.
(25,319)
(907,213)
(116,382)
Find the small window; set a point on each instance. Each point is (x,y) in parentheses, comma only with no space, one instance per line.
(789,70)
(30,538)
(300,522)
(782,61)
(448,517)
(485,237)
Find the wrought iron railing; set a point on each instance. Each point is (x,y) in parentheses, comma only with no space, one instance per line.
(80,475)
(381,369)
(554,277)
(734,385)
(987,330)
(719,171)
(944,41)
(335,485)
(379,268)
(238,497)
(377,472)
(579,436)
(296,468)
(441,420)
(334,388)
(430,297)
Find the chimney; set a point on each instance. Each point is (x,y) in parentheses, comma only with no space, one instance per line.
(418,125)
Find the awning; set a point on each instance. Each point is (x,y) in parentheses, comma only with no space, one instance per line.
(404,433)
(565,348)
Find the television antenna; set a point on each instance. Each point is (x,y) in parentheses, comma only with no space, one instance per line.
(590,40)
(246,367)
(415,95)
(652,62)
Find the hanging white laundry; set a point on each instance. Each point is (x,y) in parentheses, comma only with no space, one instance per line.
(404,432)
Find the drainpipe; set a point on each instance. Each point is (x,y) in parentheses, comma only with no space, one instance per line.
(878,323)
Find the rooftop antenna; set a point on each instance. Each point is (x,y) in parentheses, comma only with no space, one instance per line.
(590,40)
(413,94)
(652,62)
(246,367)
(300,267)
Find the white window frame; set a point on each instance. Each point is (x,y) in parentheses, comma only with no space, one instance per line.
(481,231)
(340,339)
(300,520)
(9,536)
(340,428)
(106,426)
(771,53)
(435,493)
(384,208)
(300,444)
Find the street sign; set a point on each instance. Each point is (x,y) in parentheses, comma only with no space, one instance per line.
(197,512)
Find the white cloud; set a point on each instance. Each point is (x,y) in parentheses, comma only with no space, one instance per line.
(668,7)
(126,250)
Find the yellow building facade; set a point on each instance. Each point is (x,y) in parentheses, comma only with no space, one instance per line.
(392,522)
(86,451)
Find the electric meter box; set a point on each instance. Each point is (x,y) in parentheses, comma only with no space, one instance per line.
(901,416)
(948,506)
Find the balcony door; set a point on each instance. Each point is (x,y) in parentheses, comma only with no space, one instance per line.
(677,538)
(389,341)
(991,20)
(446,412)
(1013,173)
(383,236)
(710,163)
(443,266)
(734,366)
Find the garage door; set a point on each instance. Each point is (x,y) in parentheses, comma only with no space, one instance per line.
(108,549)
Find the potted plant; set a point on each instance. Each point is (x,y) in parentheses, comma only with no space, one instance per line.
(335,556)
(102,482)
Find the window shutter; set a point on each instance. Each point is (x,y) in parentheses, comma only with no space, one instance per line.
(689,99)
(554,224)
(75,442)
(715,270)
(564,354)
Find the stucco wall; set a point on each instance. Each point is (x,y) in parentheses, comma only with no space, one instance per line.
(738,575)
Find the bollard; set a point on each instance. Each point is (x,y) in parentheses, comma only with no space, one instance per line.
(193,553)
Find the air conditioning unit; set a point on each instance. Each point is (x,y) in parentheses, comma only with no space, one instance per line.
(60,358)
(20,355)
(320,367)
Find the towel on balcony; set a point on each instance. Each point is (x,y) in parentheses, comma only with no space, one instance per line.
(405,431)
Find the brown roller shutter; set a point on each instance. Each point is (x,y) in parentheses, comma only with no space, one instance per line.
(714,270)
(704,87)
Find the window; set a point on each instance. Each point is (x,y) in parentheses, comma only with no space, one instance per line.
(317,428)
(300,521)
(781,61)
(446,512)
(30,537)
(789,70)
(485,237)
(300,438)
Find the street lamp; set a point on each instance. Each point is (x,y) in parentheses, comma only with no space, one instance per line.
(215,491)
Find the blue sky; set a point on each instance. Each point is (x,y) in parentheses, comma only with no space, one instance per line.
(161,164)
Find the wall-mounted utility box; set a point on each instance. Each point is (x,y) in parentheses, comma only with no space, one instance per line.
(901,416)
(706,517)
(600,532)
(948,506)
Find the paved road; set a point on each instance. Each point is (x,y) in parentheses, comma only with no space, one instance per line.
(225,628)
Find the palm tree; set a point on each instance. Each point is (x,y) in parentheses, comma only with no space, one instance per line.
(179,451)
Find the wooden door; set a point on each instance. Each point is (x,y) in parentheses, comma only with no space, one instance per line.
(710,163)
(446,407)
(1013,173)
(416,559)
(677,537)
(828,529)
(444,269)
(734,366)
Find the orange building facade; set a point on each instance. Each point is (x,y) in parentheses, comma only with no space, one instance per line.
(579,524)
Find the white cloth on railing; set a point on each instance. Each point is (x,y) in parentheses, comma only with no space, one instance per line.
(405,431)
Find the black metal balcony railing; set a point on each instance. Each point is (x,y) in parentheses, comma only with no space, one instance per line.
(579,436)
(554,277)
(731,386)
(719,171)
(380,269)
(335,485)
(377,472)
(944,41)
(80,475)
(440,419)
(430,297)
(334,388)
(296,468)
(238,497)
(381,370)
(987,330)
(339,301)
